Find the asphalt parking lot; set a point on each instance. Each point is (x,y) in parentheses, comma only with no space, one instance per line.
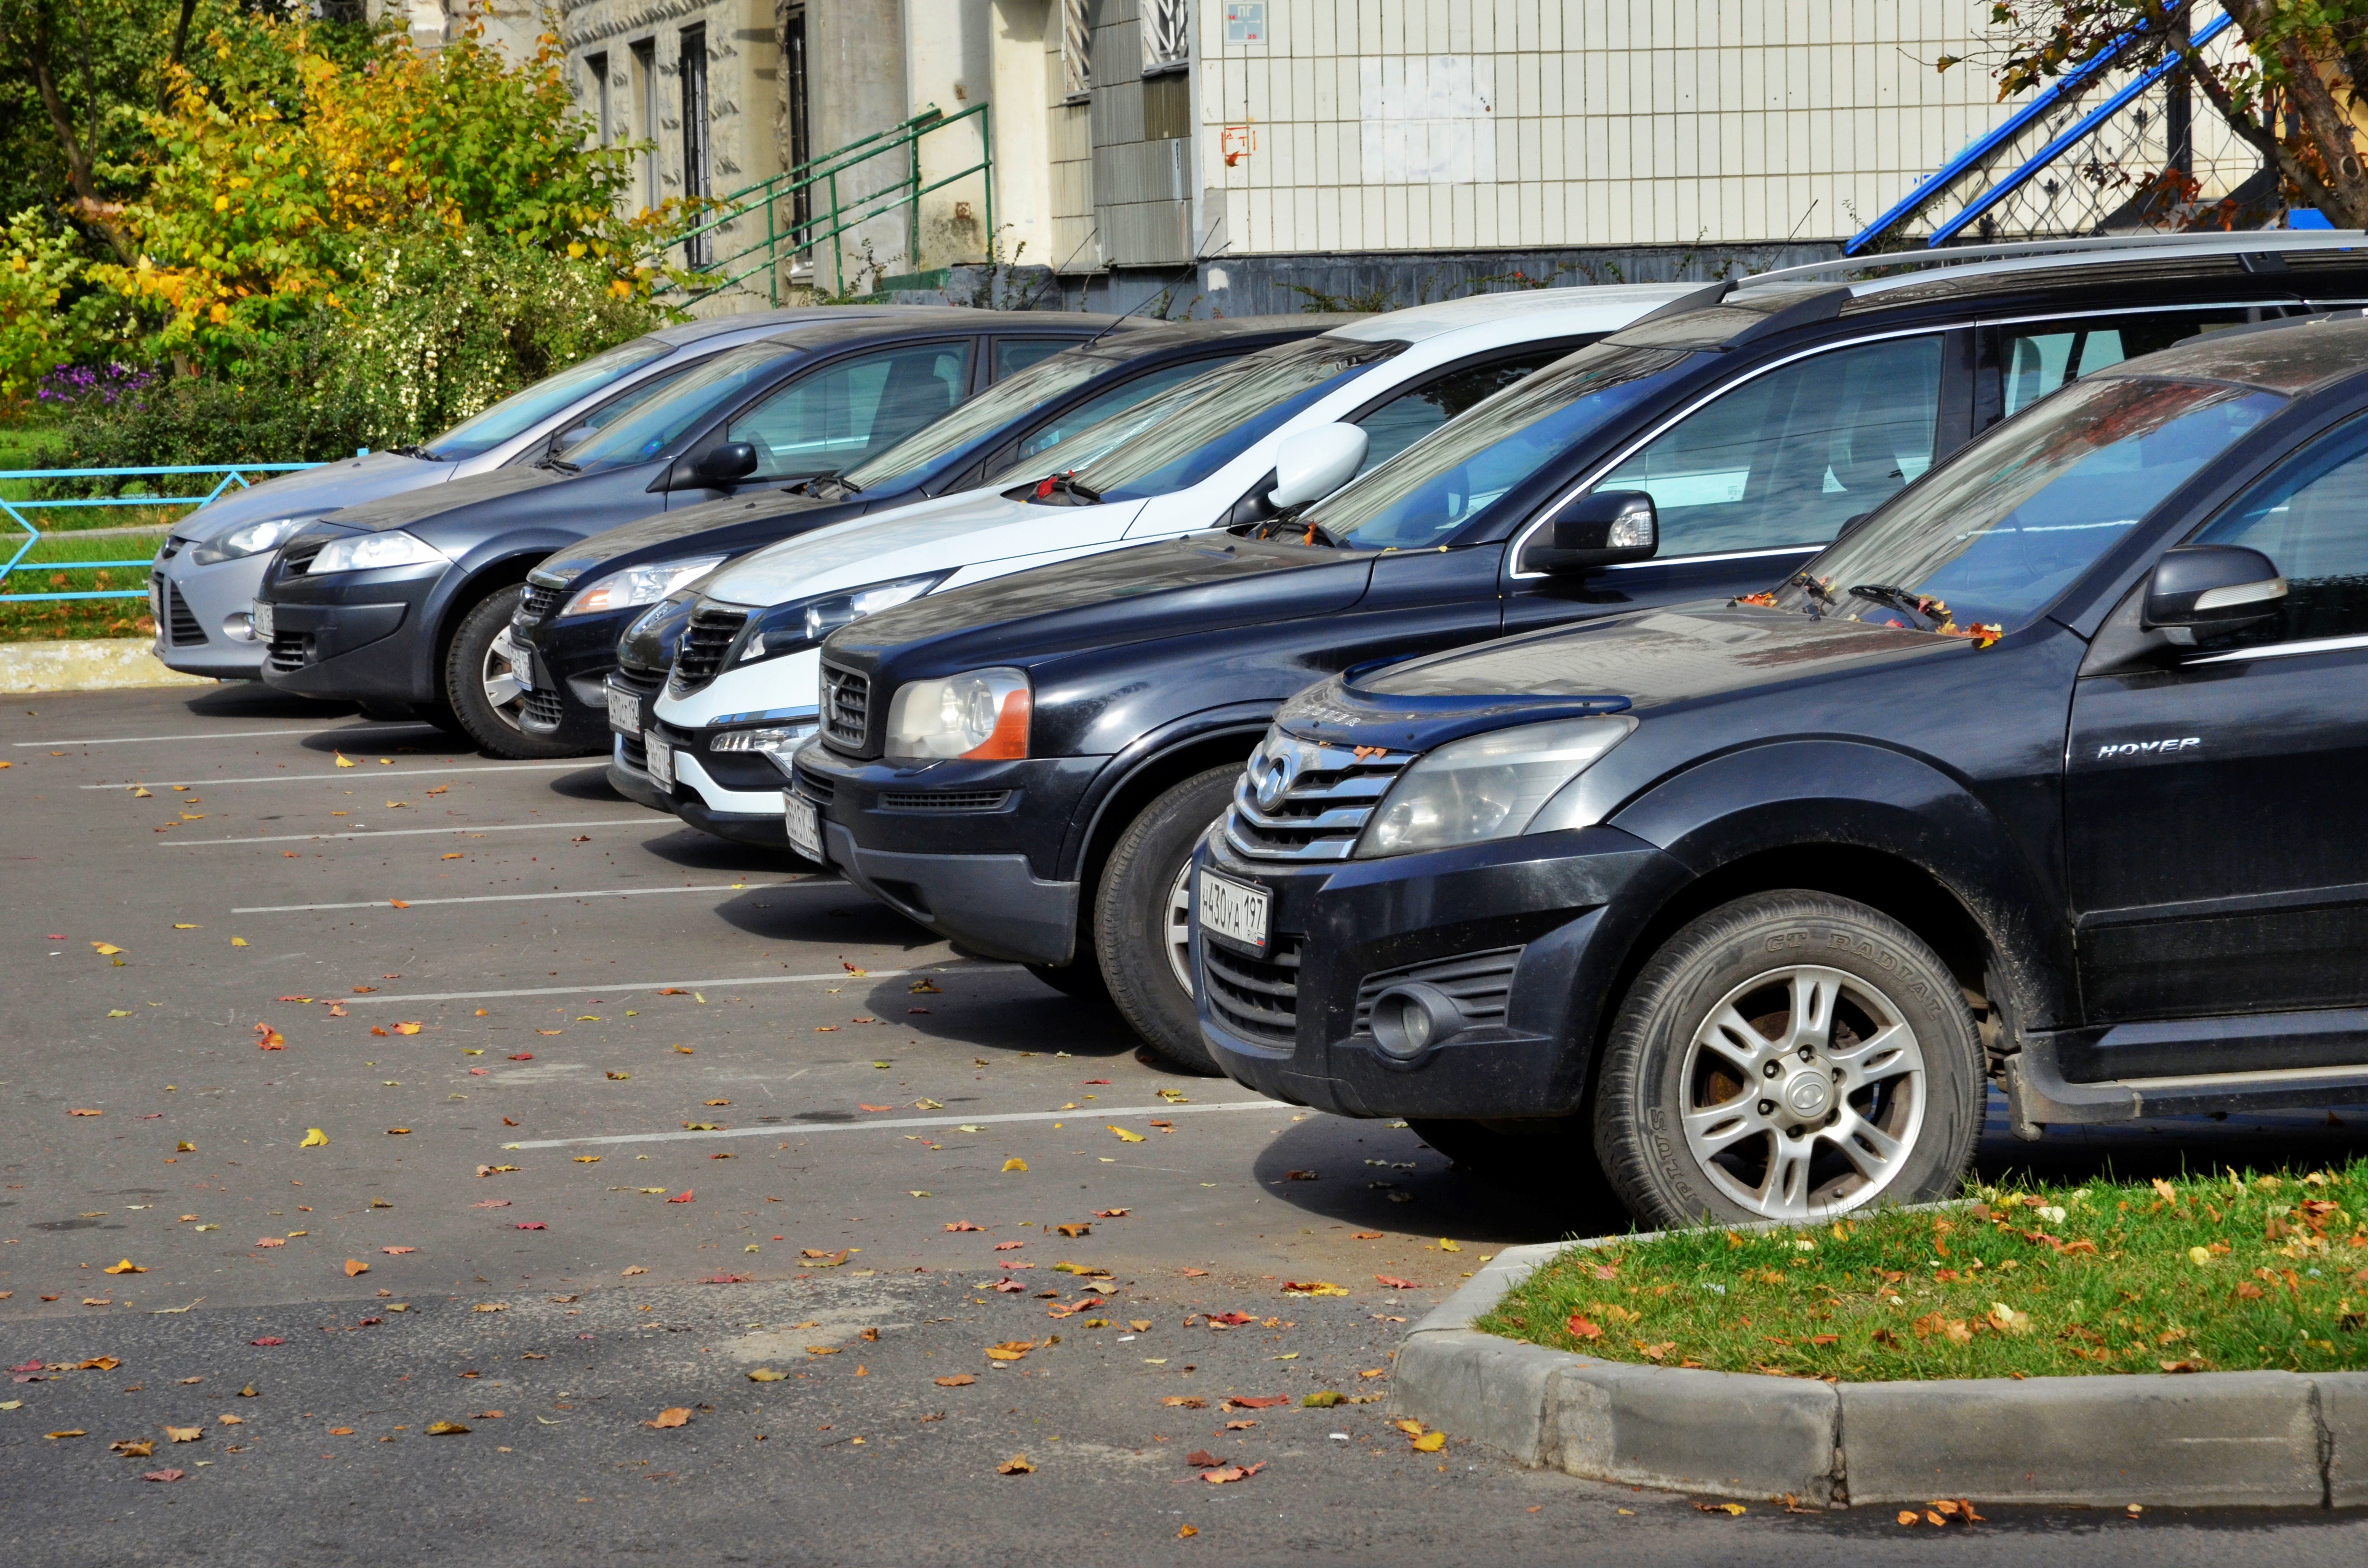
(617,1115)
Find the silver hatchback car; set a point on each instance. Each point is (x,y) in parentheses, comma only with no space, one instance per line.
(202,586)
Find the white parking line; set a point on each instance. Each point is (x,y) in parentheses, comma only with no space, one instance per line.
(801,1128)
(519,897)
(618,987)
(645,819)
(458,770)
(220,735)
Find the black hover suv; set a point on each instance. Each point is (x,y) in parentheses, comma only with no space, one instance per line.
(2045,775)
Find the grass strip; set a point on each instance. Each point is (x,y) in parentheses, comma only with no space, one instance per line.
(2218,1273)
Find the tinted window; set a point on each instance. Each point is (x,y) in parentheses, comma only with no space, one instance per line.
(2036,358)
(991,410)
(2311,519)
(1409,417)
(840,414)
(1018,352)
(551,395)
(1101,405)
(2014,517)
(654,426)
(1788,456)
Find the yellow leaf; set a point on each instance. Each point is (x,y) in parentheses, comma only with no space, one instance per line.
(177,926)
(343,761)
(185,1434)
(766,1375)
(109,949)
(1431,1442)
(1016,1465)
(2200,1256)
(1411,1428)
(118,1013)
(126,1267)
(441,1428)
(356,1266)
(1124,1136)
(238,941)
(587,1159)
(314,1139)
(1015,1163)
(1446,1246)
(678,1415)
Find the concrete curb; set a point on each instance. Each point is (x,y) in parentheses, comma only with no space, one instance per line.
(98,664)
(2256,1438)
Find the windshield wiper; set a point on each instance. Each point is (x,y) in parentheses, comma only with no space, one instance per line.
(417,450)
(1312,534)
(1049,490)
(1922,605)
(561,465)
(839,482)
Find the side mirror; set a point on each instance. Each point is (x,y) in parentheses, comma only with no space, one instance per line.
(1314,464)
(1600,529)
(721,467)
(2211,588)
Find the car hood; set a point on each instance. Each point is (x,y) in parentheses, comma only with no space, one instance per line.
(1204,582)
(1648,659)
(413,507)
(347,482)
(720,527)
(910,540)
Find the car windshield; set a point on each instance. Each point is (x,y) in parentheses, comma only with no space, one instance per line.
(651,429)
(551,395)
(1098,440)
(1990,537)
(1194,436)
(1440,484)
(1011,398)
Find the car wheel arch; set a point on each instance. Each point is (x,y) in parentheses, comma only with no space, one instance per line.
(1155,764)
(483,578)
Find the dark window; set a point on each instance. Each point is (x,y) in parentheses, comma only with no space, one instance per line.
(597,66)
(836,417)
(2311,519)
(794,63)
(1409,417)
(645,83)
(1788,456)
(2035,358)
(1118,400)
(1018,353)
(1166,106)
(698,250)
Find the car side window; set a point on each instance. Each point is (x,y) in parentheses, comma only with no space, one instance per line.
(2033,359)
(1101,405)
(2311,519)
(1417,412)
(1015,354)
(844,413)
(1790,456)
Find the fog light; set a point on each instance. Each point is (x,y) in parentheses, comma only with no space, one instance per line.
(1407,1018)
(239,628)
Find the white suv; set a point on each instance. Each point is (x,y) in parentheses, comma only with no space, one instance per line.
(1273,429)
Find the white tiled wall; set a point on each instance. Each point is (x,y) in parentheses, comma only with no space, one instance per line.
(1448,124)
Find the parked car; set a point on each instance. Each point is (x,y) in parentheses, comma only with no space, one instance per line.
(1270,431)
(571,630)
(211,567)
(2043,775)
(407,602)
(1758,423)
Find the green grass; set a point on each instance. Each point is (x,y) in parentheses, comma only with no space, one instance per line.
(51,569)
(2218,1273)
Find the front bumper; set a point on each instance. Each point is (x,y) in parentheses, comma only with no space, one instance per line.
(1533,930)
(971,850)
(352,635)
(733,795)
(572,660)
(197,608)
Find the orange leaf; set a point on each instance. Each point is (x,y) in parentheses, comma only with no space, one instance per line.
(676,1415)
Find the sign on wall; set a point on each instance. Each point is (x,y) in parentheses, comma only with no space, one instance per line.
(1246,21)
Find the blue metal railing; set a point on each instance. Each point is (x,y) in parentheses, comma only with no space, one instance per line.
(231,473)
(2065,88)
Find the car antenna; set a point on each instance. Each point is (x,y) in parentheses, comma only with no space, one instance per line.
(1197,259)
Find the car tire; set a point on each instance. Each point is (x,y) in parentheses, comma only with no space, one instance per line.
(1787,1056)
(471,667)
(1138,912)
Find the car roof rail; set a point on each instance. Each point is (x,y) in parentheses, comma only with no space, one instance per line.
(1910,266)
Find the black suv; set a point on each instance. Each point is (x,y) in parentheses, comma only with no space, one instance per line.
(1759,419)
(405,604)
(2043,774)
(580,601)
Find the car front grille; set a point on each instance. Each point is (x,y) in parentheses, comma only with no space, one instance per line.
(537,603)
(545,707)
(633,754)
(1327,792)
(1480,983)
(944,800)
(291,652)
(845,705)
(814,786)
(1256,998)
(704,644)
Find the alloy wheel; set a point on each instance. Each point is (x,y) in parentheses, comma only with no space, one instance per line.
(505,688)
(1178,925)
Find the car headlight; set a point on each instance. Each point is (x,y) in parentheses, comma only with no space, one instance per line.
(251,539)
(640,584)
(775,741)
(804,623)
(979,714)
(1486,785)
(367,552)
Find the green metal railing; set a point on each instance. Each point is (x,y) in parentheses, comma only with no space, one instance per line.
(16,510)
(830,216)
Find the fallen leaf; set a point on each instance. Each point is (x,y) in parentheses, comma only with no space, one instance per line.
(185,1434)
(636,1268)
(165,1475)
(766,1375)
(407,1028)
(959,1381)
(1256,1402)
(313,1138)
(1312,1288)
(126,1267)
(356,1266)
(1231,1472)
(341,1431)
(85,1113)
(1729,1509)
(1185,1402)
(532,1225)
(1017,1463)
(1184,1532)
(1013,1164)
(676,1415)
(491,1307)
(964,1226)
(70,1432)
(1124,1136)
(1394,1283)
(1071,1231)
(135,1447)
(446,1429)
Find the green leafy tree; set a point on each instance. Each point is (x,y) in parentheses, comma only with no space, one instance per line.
(2296,94)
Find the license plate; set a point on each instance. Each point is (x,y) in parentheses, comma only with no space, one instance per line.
(1233,911)
(804,826)
(661,757)
(624,712)
(156,600)
(263,631)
